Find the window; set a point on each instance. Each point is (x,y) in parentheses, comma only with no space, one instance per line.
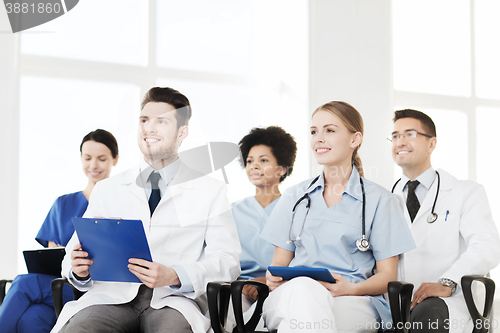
(449,69)
(90,69)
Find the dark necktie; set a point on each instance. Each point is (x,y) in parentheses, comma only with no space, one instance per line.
(155,197)
(412,201)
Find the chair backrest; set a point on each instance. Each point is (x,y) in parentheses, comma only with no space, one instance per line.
(3,287)
(57,293)
(481,322)
(236,293)
(218,294)
(400,301)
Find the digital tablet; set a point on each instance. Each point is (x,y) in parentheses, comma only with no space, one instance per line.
(110,243)
(288,273)
(44,261)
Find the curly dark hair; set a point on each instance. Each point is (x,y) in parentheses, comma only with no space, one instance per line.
(282,144)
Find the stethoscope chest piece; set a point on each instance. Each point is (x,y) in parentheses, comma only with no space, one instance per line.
(363,244)
(432,217)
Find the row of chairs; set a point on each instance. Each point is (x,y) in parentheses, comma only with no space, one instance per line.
(219,294)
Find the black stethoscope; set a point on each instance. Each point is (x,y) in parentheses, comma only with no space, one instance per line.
(361,243)
(432,216)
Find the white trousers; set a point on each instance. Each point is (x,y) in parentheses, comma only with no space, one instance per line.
(304,305)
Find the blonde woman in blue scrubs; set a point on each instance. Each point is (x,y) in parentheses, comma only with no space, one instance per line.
(328,237)
(268,155)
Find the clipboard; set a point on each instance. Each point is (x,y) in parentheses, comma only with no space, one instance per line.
(110,243)
(288,273)
(44,261)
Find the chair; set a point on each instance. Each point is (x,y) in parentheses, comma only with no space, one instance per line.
(3,287)
(57,293)
(218,295)
(482,323)
(402,291)
(218,303)
(400,302)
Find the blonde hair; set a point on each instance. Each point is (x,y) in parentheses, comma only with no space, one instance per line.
(352,120)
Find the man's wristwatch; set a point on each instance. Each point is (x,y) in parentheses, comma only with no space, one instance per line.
(448,283)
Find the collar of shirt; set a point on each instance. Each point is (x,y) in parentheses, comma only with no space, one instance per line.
(426,179)
(167,174)
(353,187)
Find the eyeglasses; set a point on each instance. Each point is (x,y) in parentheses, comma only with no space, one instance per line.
(408,135)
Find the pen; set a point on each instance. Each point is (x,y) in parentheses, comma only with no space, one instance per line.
(446,218)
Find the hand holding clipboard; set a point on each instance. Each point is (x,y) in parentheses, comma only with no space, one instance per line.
(106,247)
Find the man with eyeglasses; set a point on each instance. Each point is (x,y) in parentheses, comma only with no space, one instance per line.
(451,224)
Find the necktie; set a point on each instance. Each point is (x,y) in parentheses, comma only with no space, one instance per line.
(412,201)
(155,197)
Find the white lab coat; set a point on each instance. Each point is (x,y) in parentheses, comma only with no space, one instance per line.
(464,242)
(192,227)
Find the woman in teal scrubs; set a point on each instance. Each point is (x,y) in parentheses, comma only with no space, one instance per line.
(268,155)
(328,237)
(28,305)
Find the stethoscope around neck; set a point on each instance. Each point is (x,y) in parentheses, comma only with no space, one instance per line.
(432,216)
(361,243)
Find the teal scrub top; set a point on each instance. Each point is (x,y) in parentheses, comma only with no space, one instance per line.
(329,234)
(256,253)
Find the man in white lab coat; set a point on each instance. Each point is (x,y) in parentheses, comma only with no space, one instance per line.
(188,224)
(455,234)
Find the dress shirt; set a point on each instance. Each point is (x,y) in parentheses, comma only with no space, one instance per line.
(167,174)
(426,179)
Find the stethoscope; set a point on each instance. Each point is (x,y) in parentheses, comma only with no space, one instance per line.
(432,216)
(361,243)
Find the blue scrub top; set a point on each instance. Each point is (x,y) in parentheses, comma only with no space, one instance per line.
(256,253)
(329,235)
(58,226)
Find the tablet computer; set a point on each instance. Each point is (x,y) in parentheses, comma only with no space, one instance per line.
(44,261)
(288,273)
(110,243)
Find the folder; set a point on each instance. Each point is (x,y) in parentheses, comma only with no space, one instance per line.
(45,261)
(110,243)
(288,273)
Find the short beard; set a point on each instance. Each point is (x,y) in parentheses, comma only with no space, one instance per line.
(160,159)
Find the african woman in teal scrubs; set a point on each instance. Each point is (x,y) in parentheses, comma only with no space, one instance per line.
(268,155)
(28,305)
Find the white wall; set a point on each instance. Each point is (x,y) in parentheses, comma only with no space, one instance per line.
(350,60)
(9,133)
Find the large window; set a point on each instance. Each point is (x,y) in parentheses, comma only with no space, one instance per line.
(446,64)
(241,63)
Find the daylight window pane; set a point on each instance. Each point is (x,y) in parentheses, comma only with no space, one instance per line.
(109,31)
(54,117)
(487,48)
(452,150)
(211,36)
(488,162)
(431,46)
